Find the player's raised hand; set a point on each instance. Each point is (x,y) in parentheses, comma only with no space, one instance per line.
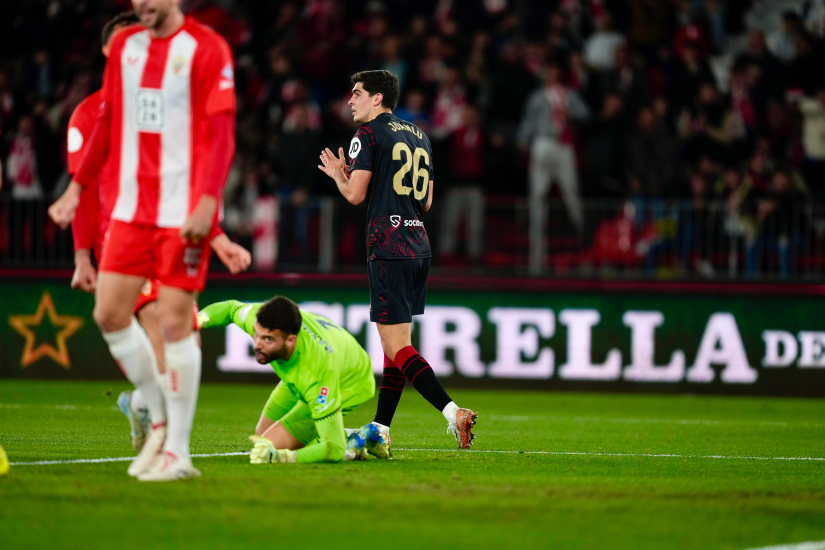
(85,275)
(199,223)
(334,167)
(62,211)
(235,257)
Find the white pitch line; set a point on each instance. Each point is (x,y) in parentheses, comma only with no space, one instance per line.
(556,453)
(628,455)
(100,460)
(810,545)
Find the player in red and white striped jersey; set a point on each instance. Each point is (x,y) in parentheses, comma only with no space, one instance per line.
(91,223)
(166,128)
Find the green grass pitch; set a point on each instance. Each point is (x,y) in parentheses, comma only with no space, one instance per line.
(604,484)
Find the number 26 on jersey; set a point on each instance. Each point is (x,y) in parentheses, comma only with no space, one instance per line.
(412,161)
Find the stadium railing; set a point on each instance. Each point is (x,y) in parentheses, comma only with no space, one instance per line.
(627,239)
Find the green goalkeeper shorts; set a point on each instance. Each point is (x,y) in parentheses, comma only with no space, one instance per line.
(294,414)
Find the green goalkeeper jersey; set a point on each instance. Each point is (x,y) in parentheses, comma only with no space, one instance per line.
(328,370)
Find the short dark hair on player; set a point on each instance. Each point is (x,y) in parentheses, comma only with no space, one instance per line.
(280,313)
(380,82)
(120,20)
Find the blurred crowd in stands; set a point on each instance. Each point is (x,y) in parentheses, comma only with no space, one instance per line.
(694,115)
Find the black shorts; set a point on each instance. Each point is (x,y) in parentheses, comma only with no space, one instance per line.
(398,289)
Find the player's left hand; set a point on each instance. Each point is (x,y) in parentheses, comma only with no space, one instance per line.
(85,276)
(235,257)
(264,453)
(199,223)
(62,211)
(333,166)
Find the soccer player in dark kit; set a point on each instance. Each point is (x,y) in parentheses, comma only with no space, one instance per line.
(390,161)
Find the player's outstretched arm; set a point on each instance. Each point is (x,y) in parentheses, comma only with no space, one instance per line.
(219,314)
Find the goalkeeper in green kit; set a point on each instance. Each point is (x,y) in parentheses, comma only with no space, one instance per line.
(324,375)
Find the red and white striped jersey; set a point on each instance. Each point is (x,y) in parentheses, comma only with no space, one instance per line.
(158,96)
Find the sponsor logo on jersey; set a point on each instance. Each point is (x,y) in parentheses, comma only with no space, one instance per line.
(322,396)
(227,80)
(150,110)
(354,147)
(396,222)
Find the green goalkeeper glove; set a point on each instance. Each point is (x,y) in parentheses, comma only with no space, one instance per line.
(264,453)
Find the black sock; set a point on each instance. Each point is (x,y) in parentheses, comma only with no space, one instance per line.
(389,393)
(420,374)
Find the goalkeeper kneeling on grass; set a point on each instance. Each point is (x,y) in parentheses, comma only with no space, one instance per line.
(324,375)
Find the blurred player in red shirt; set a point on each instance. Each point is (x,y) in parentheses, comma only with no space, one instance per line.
(92,221)
(166,131)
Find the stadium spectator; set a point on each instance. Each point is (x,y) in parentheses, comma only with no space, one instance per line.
(813,139)
(465,198)
(782,43)
(600,48)
(491,55)
(414,110)
(626,79)
(546,130)
(651,158)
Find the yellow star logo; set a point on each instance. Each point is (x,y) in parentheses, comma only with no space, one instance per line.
(24,323)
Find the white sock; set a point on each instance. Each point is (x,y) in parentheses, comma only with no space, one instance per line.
(183,377)
(350,431)
(132,350)
(138,402)
(381,428)
(450,411)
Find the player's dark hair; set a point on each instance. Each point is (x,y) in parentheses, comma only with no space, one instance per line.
(120,20)
(380,82)
(280,313)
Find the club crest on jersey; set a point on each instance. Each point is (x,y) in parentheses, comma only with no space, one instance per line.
(147,288)
(354,147)
(178,63)
(192,260)
(322,397)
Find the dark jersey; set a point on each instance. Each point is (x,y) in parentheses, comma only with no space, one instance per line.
(399,155)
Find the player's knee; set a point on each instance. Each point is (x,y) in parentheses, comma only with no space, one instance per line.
(175,327)
(109,320)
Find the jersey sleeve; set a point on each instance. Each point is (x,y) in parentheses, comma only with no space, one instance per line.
(217,75)
(221,314)
(78,134)
(86,220)
(362,149)
(96,148)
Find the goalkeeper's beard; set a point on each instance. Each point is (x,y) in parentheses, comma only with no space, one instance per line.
(265,359)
